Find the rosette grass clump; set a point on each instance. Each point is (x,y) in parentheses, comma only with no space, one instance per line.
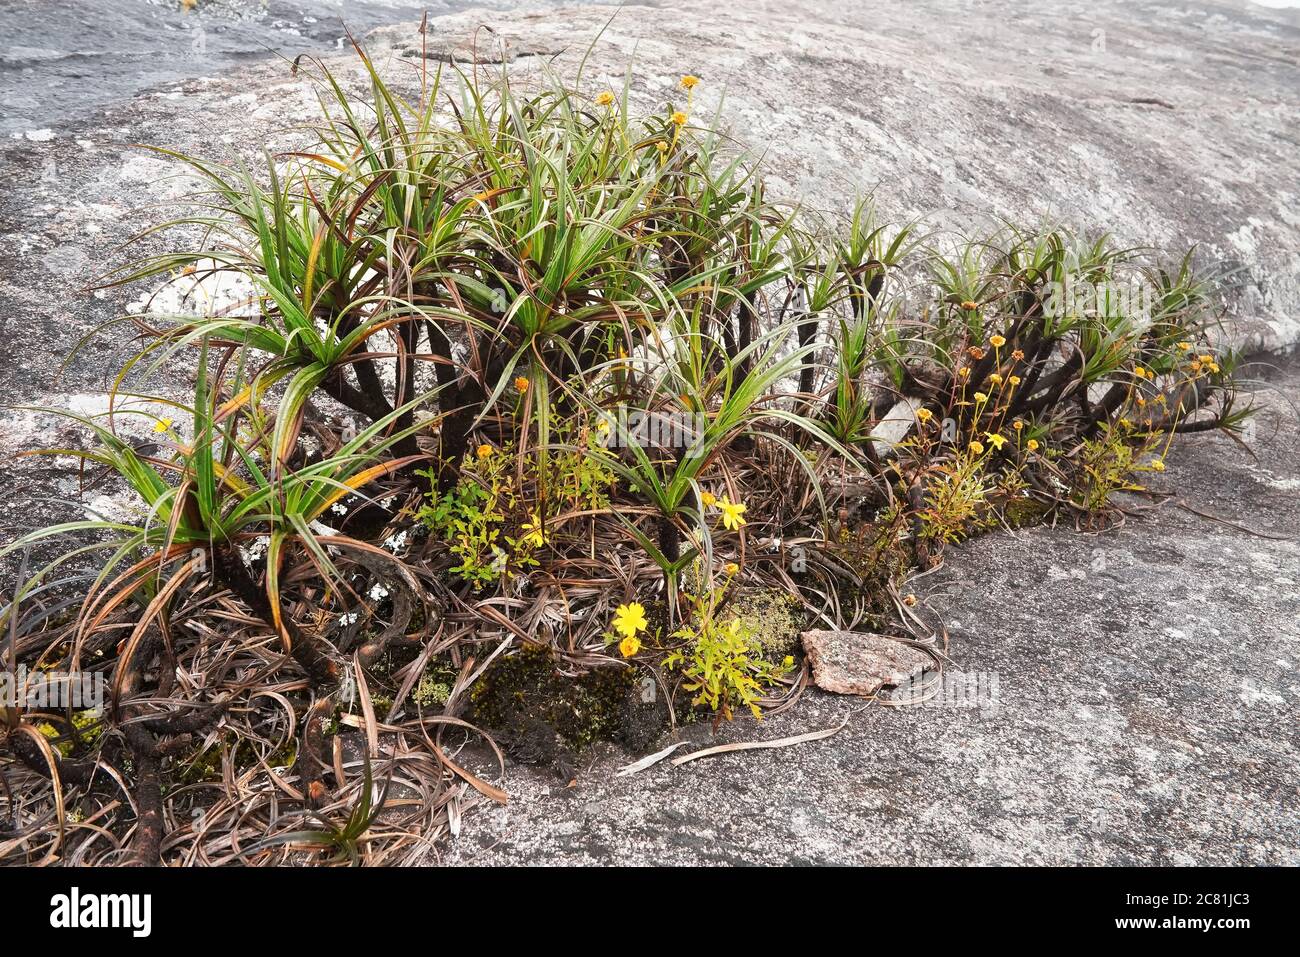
(524,373)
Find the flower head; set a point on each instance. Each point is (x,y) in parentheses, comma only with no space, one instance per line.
(977,447)
(629,646)
(976,352)
(630,619)
(925,415)
(1018,425)
(1158,464)
(162,425)
(996,439)
(605,99)
(708,498)
(1140,372)
(733,514)
(731,568)
(679,118)
(483,451)
(534,533)
(995,379)
(998,342)
(690,82)
(1184,346)
(909,600)
(970,304)
(1018,354)
(1014,380)
(981,397)
(521,383)
(1032,445)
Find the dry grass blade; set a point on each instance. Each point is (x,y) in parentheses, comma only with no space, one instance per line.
(764,745)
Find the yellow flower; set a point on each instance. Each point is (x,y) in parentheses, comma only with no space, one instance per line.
(1140,372)
(732,514)
(1184,346)
(605,99)
(977,447)
(731,568)
(689,82)
(629,619)
(708,498)
(1018,425)
(996,439)
(162,425)
(679,118)
(483,451)
(981,397)
(534,534)
(968,304)
(629,646)
(1214,367)
(963,372)
(1014,381)
(995,379)
(1018,354)
(1206,358)
(925,415)
(787,661)
(909,600)
(661,146)
(1158,464)
(998,342)
(521,383)
(1032,445)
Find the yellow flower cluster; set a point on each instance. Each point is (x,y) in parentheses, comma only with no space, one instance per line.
(630,621)
(733,513)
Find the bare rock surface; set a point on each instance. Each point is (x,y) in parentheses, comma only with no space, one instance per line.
(860,663)
(1146,701)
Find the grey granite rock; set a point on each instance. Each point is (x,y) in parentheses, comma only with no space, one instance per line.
(1145,705)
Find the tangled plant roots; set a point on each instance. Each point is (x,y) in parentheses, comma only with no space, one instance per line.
(522,373)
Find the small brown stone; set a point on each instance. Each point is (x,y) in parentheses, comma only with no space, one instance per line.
(854,662)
